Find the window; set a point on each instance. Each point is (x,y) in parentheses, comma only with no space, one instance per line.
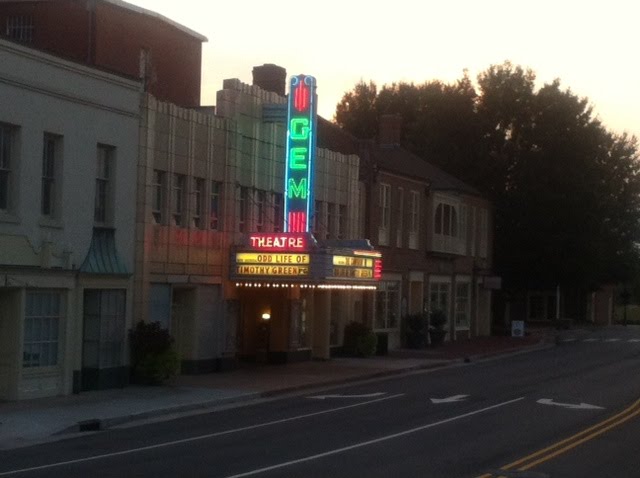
(50,167)
(463,226)
(177,199)
(342,221)
(41,328)
(318,219)
(243,212)
(198,202)
(20,28)
(484,233)
(158,195)
(385,214)
(104,328)
(387,305)
(103,207)
(463,304)
(446,220)
(400,217)
(214,211)
(439,296)
(261,198)
(331,220)
(473,230)
(278,213)
(6,166)
(415,220)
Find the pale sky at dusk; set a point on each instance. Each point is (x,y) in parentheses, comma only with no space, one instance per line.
(593,47)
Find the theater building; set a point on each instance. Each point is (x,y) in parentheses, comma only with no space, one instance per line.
(240,217)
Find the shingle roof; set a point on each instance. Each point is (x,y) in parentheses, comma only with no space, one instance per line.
(397,160)
(390,158)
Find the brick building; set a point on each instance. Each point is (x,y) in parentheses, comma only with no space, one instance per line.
(116,36)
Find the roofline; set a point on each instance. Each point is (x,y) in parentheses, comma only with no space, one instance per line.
(151,13)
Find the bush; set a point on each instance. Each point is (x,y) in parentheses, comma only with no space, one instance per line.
(437,319)
(415,331)
(367,344)
(153,356)
(359,340)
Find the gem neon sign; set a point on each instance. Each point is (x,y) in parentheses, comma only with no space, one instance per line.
(301,151)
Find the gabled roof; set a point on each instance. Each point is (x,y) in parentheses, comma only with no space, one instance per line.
(394,159)
(390,158)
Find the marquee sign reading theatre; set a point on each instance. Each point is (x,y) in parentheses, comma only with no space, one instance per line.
(293,257)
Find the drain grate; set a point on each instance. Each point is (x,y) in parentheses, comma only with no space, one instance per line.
(90,425)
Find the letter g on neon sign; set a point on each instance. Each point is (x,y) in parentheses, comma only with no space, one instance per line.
(300,128)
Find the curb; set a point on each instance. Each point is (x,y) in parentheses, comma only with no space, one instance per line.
(106,423)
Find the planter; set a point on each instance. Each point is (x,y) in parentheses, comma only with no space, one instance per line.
(436,337)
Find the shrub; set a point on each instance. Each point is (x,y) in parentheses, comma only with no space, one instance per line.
(437,319)
(153,357)
(367,344)
(359,340)
(415,330)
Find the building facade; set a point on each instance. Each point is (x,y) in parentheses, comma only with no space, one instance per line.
(68,147)
(434,231)
(207,182)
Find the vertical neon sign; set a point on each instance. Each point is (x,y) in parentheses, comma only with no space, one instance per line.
(301,152)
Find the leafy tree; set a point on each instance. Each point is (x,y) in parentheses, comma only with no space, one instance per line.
(356,111)
(566,191)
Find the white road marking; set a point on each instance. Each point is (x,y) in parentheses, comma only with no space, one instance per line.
(612,340)
(453,398)
(192,439)
(634,340)
(368,395)
(590,340)
(581,406)
(568,340)
(372,442)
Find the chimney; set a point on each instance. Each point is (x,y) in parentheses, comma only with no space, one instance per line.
(389,130)
(270,77)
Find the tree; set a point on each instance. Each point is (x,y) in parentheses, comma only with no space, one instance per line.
(356,112)
(566,191)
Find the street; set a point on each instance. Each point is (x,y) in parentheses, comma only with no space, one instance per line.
(567,411)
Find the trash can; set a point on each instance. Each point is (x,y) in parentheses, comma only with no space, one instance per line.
(382,346)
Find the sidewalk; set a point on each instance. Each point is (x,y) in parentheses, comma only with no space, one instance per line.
(35,421)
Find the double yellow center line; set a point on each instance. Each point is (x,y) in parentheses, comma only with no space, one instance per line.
(567,444)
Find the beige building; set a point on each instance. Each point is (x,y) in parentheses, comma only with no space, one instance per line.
(68,137)
(206,181)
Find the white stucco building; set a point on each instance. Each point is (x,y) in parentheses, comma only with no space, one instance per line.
(68,154)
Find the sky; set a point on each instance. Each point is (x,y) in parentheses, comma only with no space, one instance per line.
(593,47)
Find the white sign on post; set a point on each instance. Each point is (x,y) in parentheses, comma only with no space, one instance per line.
(517,328)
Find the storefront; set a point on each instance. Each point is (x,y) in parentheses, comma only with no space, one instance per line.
(296,295)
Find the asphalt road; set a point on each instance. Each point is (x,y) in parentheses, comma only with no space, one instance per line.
(567,411)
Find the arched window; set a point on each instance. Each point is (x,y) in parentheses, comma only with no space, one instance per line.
(438,219)
(446,220)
